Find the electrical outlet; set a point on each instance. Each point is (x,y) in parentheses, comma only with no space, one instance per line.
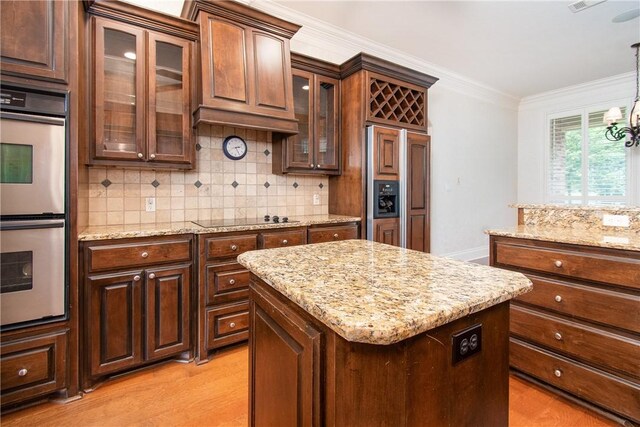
(316,199)
(150,204)
(466,343)
(615,220)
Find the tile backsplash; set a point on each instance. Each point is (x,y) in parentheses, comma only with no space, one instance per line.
(218,188)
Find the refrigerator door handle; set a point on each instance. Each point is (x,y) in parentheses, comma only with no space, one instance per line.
(403,188)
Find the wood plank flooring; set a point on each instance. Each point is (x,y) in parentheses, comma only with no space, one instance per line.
(215,394)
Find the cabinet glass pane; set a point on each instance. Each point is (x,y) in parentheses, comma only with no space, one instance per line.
(119,91)
(301,106)
(169,98)
(326,131)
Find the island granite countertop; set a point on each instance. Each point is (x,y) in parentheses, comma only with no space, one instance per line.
(373,293)
(172,228)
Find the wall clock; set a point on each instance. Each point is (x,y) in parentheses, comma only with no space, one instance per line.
(234,147)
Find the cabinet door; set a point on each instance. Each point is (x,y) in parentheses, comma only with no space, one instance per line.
(33,38)
(386,155)
(118,91)
(387,230)
(169,129)
(326,122)
(300,146)
(418,174)
(113,322)
(167,311)
(284,364)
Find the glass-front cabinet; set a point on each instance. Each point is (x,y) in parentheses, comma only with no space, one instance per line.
(315,148)
(141,97)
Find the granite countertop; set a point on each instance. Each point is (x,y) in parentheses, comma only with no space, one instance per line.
(616,239)
(373,293)
(164,229)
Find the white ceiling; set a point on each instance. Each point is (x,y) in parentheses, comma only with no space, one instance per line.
(518,47)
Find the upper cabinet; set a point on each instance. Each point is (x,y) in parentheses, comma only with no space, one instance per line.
(33,39)
(246,67)
(315,149)
(141,89)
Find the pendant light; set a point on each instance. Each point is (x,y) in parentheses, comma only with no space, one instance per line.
(614,114)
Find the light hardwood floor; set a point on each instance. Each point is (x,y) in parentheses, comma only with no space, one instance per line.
(215,394)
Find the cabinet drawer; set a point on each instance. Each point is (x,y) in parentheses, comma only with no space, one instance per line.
(561,260)
(230,246)
(282,239)
(595,386)
(227,324)
(109,257)
(330,234)
(586,302)
(33,367)
(227,282)
(584,342)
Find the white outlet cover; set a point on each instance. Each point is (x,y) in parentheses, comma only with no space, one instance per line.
(316,199)
(150,204)
(615,220)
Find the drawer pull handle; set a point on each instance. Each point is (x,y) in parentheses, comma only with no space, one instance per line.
(140,155)
(136,278)
(232,281)
(152,276)
(234,247)
(232,324)
(558,263)
(335,236)
(152,156)
(285,242)
(22,372)
(145,255)
(558,298)
(557,373)
(558,336)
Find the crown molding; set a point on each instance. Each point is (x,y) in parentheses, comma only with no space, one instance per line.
(334,44)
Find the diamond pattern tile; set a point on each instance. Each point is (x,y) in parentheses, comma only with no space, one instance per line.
(234,184)
(321,185)
(267,185)
(106,183)
(198,184)
(155,183)
(198,147)
(295,185)
(267,152)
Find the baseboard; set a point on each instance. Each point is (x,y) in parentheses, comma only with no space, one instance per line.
(474,254)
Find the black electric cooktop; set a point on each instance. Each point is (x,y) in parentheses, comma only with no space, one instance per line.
(244,221)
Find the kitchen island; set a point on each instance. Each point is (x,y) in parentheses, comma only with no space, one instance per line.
(361,333)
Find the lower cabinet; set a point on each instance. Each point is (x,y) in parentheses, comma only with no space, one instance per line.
(136,316)
(33,367)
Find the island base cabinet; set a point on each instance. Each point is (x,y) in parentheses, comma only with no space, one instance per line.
(303,373)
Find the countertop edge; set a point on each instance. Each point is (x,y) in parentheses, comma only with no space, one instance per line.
(612,243)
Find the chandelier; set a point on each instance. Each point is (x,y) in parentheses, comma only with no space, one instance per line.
(614,114)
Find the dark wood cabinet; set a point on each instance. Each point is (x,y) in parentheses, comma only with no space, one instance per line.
(141,90)
(245,67)
(223,310)
(577,331)
(33,39)
(137,303)
(316,98)
(387,153)
(418,195)
(387,230)
(33,366)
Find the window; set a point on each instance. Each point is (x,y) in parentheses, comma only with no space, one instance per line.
(583,166)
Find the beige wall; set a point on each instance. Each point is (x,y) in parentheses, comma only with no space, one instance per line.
(178,199)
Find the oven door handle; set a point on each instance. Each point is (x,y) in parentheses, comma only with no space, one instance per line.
(31,225)
(57,121)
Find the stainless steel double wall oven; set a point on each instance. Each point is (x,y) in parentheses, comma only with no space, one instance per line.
(33,207)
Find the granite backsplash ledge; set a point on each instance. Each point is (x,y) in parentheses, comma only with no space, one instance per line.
(576,217)
(217,188)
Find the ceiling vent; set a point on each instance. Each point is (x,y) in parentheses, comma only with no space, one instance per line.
(583,4)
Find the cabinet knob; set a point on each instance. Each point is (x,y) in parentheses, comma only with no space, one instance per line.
(232,324)
(136,278)
(140,155)
(335,236)
(558,298)
(152,156)
(285,242)
(234,247)
(557,373)
(317,166)
(558,263)
(232,281)
(144,254)
(152,275)
(311,165)
(558,336)
(22,372)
